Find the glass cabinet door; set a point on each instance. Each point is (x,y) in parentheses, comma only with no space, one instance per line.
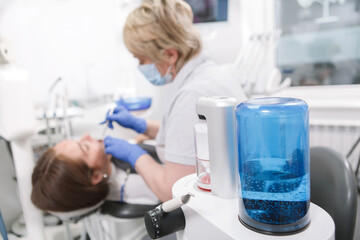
(320,41)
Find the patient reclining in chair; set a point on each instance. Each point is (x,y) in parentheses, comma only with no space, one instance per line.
(76,175)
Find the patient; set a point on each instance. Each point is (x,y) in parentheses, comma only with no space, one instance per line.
(75,175)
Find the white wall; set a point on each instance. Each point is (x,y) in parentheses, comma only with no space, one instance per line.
(223,40)
(77,40)
(81,41)
(257,16)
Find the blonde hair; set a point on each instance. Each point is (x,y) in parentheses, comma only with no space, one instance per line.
(158,25)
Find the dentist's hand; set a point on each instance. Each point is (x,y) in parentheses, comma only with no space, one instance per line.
(123,117)
(123,150)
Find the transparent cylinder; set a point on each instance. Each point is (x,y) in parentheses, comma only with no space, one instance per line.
(273,144)
(202,156)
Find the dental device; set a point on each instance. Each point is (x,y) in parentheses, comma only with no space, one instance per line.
(259,164)
(111,111)
(220,117)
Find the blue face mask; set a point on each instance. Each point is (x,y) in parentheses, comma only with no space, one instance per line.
(153,76)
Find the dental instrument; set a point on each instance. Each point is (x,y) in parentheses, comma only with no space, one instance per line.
(111,111)
(175,203)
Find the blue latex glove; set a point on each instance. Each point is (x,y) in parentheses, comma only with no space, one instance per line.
(123,117)
(123,150)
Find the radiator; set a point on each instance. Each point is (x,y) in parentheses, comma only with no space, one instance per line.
(340,136)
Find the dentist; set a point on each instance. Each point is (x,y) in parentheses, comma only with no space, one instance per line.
(161,35)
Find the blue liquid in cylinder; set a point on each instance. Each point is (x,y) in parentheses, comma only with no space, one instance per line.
(273,148)
(275,191)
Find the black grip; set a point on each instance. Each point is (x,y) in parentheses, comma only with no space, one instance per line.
(159,224)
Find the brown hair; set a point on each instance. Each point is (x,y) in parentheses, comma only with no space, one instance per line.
(62,184)
(158,25)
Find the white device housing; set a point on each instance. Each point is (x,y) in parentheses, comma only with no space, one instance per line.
(220,116)
(17,125)
(16,110)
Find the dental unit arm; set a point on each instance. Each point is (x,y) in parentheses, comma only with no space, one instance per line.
(17,125)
